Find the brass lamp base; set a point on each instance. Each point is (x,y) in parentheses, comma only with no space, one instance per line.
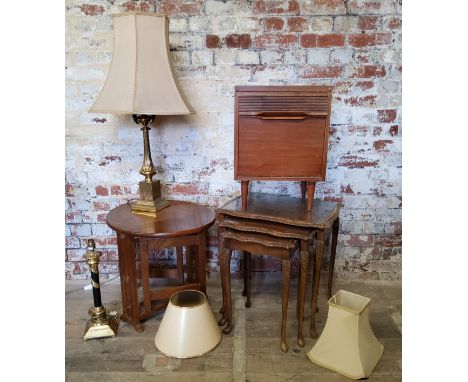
(101,324)
(145,206)
(150,198)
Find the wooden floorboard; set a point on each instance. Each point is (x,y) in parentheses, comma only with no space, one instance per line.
(250,353)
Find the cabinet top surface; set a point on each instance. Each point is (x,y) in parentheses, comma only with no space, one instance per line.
(283,209)
(180,218)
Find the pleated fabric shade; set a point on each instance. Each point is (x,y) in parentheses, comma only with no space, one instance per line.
(141,79)
(347,344)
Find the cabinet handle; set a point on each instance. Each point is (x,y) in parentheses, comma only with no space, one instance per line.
(295,117)
(283,116)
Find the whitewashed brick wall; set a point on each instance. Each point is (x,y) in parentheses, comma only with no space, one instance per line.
(354,45)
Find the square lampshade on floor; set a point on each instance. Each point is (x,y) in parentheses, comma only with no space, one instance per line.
(347,344)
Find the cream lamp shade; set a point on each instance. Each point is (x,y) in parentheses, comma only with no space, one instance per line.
(141,82)
(347,344)
(188,328)
(141,78)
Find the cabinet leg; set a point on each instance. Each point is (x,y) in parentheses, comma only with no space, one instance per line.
(336,225)
(310,195)
(286,265)
(245,193)
(303,189)
(320,245)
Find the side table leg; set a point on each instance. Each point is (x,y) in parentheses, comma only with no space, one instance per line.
(189,263)
(303,273)
(226,284)
(128,281)
(195,263)
(336,225)
(202,261)
(145,275)
(180,265)
(320,245)
(286,265)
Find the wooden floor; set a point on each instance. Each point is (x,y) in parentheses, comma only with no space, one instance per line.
(250,353)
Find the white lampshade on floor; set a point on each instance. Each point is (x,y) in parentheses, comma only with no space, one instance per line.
(347,344)
(188,328)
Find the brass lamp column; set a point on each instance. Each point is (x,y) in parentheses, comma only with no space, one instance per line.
(141,82)
(101,323)
(150,190)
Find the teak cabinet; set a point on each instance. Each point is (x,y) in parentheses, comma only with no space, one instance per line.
(281,133)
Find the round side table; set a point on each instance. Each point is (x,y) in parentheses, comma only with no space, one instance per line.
(180,224)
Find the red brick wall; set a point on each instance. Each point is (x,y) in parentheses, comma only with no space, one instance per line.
(354,45)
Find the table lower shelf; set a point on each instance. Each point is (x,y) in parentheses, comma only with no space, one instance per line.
(159,301)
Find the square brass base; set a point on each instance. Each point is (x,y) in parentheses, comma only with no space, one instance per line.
(106,328)
(150,198)
(144,206)
(150,190)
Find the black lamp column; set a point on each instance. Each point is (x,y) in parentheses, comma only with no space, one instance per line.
(101,324)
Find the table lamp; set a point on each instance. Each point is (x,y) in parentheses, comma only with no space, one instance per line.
(141,82)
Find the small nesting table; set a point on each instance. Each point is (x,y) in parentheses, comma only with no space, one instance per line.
(277,216)
(180,224)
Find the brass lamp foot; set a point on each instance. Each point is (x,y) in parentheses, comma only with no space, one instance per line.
(101,324)
(150,198)
(145,206)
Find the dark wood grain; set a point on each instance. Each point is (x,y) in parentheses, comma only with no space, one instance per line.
(331,266)
(270,228)
(201,262)
(264,240)
(301,286)
(247,277)
(180,265)
(319,251)
(276,149)
(252,243)
(286,269)
(180,224)
(281,133)
(225,268)
(180,218)
(267,219)
(144,256)
(284,210)
(310,195)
